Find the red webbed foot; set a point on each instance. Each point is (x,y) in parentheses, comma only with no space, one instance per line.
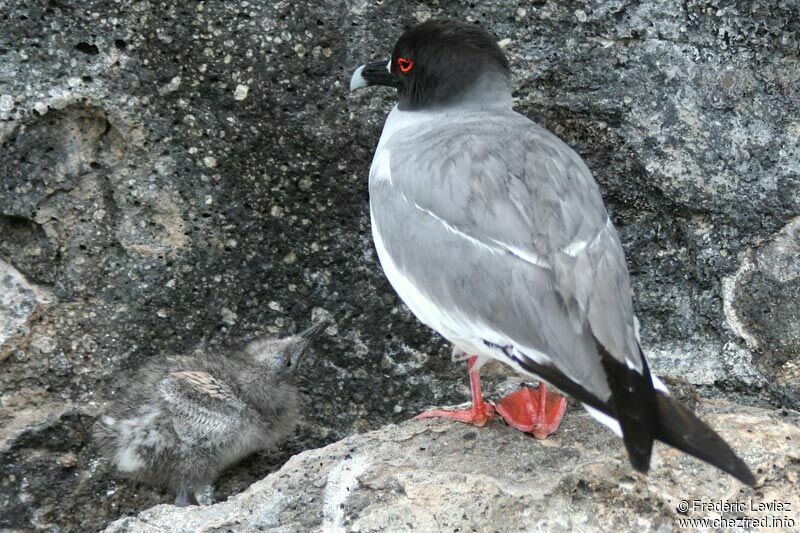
(474,415)
(480,412)
(533,411)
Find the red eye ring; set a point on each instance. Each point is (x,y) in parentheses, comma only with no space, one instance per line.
(405,65)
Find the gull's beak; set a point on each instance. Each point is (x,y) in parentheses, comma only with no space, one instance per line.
(375,73)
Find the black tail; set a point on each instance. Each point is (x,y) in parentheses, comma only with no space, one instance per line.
(681,429)
(646,414)
(633,401)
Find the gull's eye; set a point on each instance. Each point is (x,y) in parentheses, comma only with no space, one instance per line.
(405,65)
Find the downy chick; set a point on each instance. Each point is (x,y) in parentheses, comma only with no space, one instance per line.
(185,418)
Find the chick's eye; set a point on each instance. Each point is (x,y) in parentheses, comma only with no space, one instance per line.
(405,65)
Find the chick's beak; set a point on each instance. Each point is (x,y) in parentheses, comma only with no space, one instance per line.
(375,73)
(304,340)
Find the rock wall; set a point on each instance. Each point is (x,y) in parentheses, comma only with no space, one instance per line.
(178,173)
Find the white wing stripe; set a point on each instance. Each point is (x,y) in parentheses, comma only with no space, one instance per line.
(456,231)
(573,249)
(526,256)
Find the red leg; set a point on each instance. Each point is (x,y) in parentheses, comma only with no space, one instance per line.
(552,407)
(538,413)
(480,412)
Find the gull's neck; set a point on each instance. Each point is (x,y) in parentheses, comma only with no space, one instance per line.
(482,98)
(472,90)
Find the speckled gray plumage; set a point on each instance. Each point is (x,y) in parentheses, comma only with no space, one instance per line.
(183,419)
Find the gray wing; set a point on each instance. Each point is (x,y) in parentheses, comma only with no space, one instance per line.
(517,218)
(204,409)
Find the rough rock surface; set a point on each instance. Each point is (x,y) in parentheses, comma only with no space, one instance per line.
(20,304)
(174,173)
(766,297)
(444,476)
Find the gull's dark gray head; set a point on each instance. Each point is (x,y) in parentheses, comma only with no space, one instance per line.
(442,63)
(283,355)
